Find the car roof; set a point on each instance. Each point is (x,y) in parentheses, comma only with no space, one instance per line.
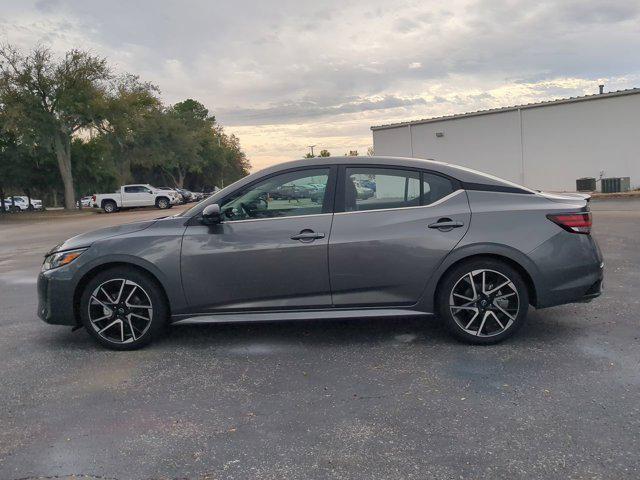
(463,174)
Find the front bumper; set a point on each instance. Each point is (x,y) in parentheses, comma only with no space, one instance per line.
(55,298)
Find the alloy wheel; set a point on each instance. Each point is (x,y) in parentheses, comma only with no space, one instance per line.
(484,303)
(120,310)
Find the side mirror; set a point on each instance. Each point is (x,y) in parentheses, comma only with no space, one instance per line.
(211,214)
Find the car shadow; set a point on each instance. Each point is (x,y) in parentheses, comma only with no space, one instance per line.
(545,327)
(311,332)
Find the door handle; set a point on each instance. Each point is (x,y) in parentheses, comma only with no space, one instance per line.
(307,236)
(446,224)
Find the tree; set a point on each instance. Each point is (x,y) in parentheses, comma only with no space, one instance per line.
(47,101)
(187,128)
(370,152)
(325,153)
(24,169)
(128,104)
(94,169)
(309,155)
(352,153)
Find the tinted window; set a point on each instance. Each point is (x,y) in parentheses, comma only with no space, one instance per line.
(434,187)
(134,189)
(376,188)
(293,193)
(369,188)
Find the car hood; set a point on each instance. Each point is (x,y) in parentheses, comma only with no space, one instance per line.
(86,239)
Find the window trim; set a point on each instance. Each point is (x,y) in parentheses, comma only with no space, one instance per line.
(339,202)
(327,202)
(433,204)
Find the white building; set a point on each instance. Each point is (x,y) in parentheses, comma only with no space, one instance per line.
(544,145)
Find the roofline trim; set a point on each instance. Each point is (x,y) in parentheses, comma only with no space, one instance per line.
(514,108)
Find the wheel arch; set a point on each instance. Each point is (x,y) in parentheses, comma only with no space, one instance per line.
(97,269)
(160,197)
(104,201)
(514,258)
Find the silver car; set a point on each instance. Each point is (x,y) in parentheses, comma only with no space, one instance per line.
(432,239)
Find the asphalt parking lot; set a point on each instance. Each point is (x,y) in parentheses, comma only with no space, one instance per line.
(361,399)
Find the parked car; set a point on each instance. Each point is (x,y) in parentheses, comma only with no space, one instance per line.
(139,195)
(240,256)
(289,192)
(362,192)
(20,203)
(86,202)
(188,196)
(181,197)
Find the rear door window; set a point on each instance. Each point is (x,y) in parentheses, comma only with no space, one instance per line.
(374,188)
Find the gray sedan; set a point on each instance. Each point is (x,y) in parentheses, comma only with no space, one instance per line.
(432,239)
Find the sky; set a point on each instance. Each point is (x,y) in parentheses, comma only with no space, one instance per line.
(283,75)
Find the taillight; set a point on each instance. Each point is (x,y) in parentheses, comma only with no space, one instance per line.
(573,222)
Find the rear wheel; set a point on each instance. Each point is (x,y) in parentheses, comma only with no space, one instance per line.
(162,203)
(483,301)
(123,308)
(109,206)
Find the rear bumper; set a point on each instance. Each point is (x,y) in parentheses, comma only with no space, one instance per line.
(571,269)
(55,298)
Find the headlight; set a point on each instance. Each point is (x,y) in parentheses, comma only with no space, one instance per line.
(60,259)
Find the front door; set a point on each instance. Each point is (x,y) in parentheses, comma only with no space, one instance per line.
(396,227)
(270,250)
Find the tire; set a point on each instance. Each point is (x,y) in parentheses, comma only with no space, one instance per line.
(478,315)
(162,203)
(109,206)
(115,294)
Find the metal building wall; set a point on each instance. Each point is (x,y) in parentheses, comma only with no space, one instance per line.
(546,147)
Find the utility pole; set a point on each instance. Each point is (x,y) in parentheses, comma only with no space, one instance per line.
(311,147)
(222,168)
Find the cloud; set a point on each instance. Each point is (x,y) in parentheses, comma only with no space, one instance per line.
(292,68)
(290,111)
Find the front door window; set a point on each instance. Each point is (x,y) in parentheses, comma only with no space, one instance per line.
(289,194)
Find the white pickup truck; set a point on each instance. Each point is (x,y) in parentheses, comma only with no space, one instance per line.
(131,196)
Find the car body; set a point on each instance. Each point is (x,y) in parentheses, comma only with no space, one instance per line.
(86,202)
(135,195)
(188,195)
(20,203)
(433,238)
(182,198)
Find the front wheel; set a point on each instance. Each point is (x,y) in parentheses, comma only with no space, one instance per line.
(162,203)
(483,301)
(123,308)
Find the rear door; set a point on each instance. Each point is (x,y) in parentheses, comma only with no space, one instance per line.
(388,238)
